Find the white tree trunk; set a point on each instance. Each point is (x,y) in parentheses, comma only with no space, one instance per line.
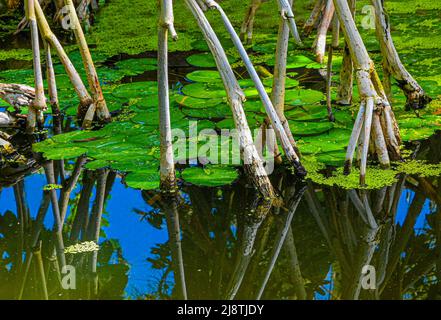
(373,99)
(46,33)
(167,167)
(320,41)
(416,97)
(252,162)
(314,17)
(246,30)
(92,77)
(344,94)
(276,123)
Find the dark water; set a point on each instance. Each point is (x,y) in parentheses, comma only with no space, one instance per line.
(216,243)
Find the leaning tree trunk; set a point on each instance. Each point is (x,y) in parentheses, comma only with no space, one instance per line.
(416,97)
(320,41)
(314,17)
(344,93)
(375,111)
(252,162)
(246,30)
(287,144)
(99,106)
(46,33)
(286,12)
(39,103)
(52,90)
(167,168)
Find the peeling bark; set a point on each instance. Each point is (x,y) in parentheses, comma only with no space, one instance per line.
(392,65)
(167,167)
(373,99)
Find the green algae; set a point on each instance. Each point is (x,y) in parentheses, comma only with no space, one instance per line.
(16,54)
(419,168)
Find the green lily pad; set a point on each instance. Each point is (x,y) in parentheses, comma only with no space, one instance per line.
(303,96)
(204,76)
(205,60)
(289,83)
(219,111)
(132,67)
(64,153)
(297,61)
(136,89)
(147,179)
(196,103)
(210,175)
(204,91)
(310,128)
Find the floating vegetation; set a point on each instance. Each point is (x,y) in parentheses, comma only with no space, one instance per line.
(87,246)
(52,187)
(210,175)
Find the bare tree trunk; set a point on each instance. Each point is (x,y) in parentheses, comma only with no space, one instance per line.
(287,143)
(101,108)
(286,12)
(252,162)
(246,30)
(52,89)
(344,94)
(320,42)
(279,80)
(17,95)
(282,232)
(174,235)
(39,103)
(167,168)
(334,45)
(373,99)
(416,97)
(75,79)
(58,224)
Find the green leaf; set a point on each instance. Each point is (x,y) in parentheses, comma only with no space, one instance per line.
(197,103)
(204,76)
(309,128)
(146,179)
(303,96)
(210,176)
(205,60)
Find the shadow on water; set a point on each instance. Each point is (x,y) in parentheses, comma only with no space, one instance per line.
(216,243)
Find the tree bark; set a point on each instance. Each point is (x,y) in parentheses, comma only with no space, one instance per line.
(46,33)
(373,99)
(320,41)
(416,97)
(167,167)
(39,103)
(287,143)
(252,162)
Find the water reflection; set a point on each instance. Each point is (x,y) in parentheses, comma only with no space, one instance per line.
(221,243)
